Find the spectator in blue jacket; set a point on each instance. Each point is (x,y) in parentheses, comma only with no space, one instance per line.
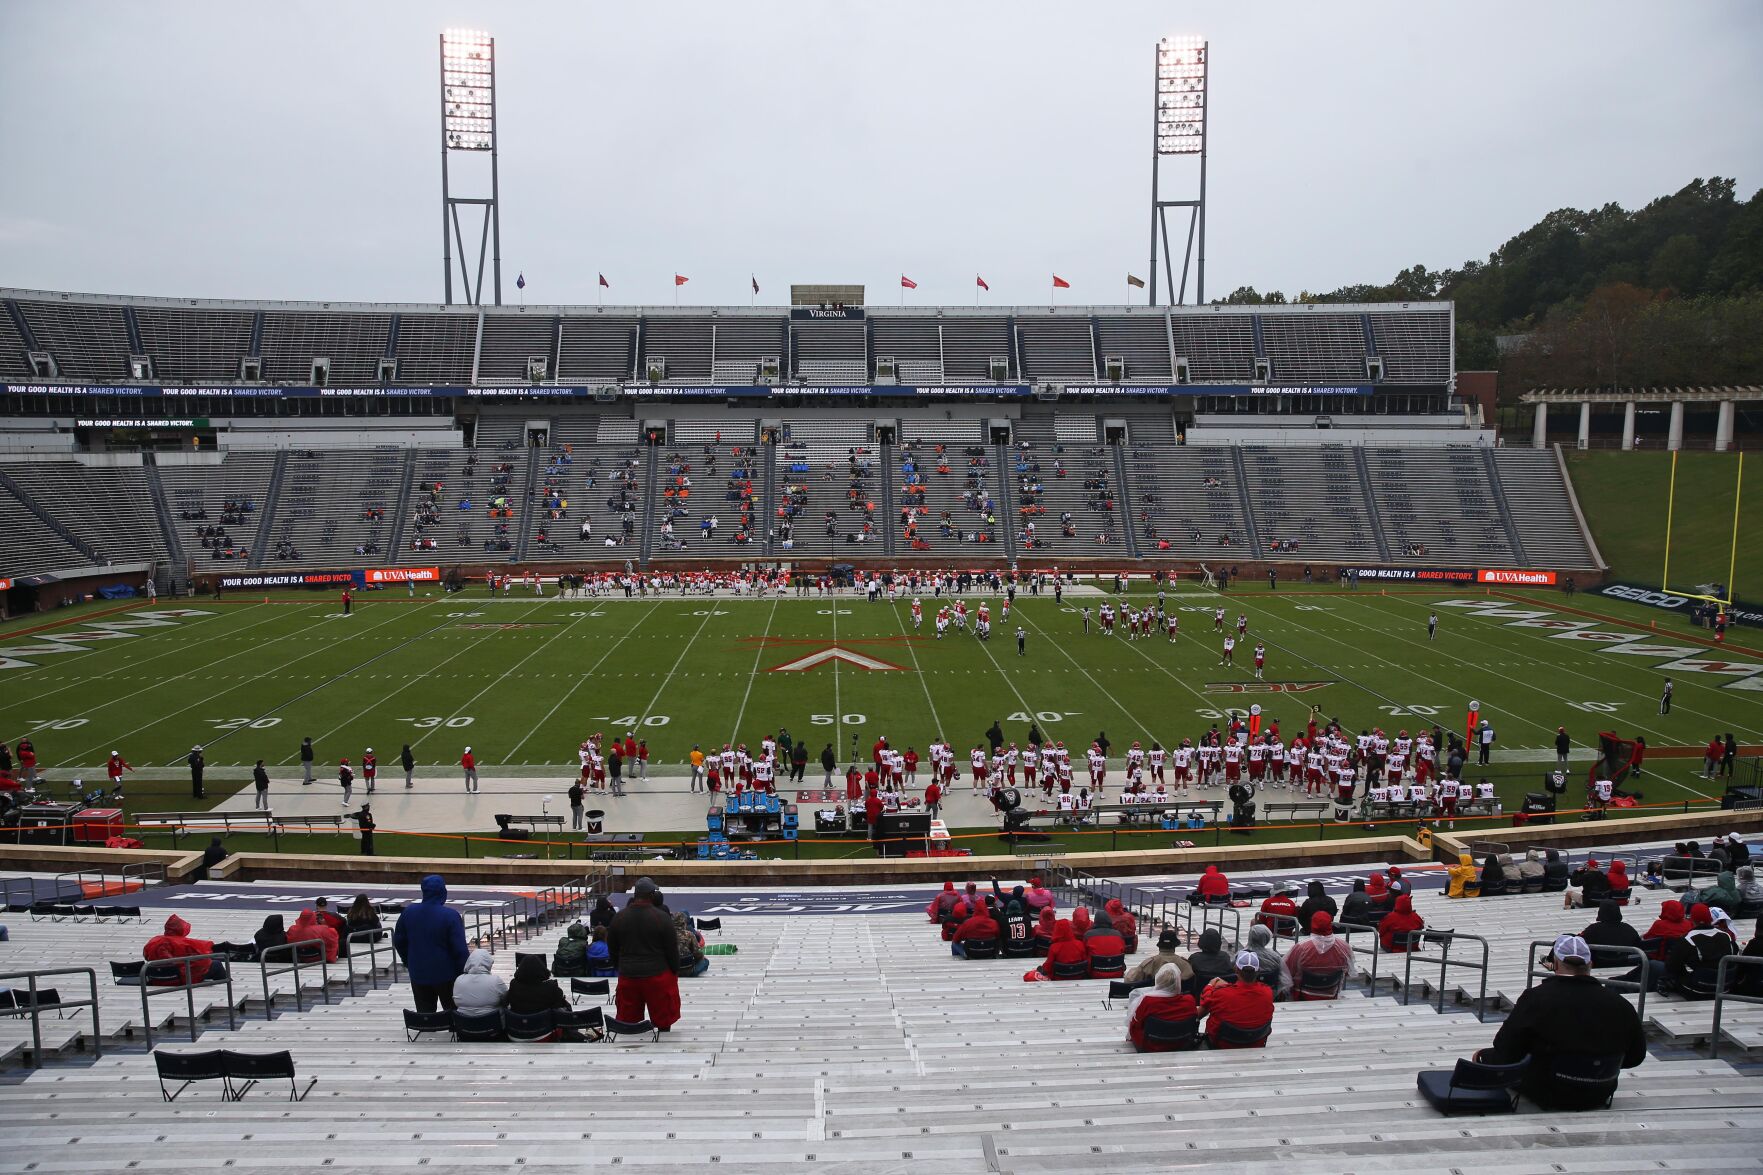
(430,939)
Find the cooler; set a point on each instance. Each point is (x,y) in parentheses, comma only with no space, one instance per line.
(94,826)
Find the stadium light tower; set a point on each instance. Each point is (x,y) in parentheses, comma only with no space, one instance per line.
(1180,129)
(468,123)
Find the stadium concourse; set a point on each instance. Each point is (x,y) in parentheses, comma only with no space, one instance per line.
(840,1035)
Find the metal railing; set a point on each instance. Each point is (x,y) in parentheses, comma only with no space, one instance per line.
(179,966)
(35,1010)
(12,889)
(375,939)
(1721,995)
(1445,939)
(1208,915)
(1347,930)
(294,965)
(1148,907)
(1533,972)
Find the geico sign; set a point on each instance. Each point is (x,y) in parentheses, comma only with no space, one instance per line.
(1642,595)
(1536,578)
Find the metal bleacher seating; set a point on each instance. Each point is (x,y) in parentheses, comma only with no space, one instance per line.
(915,345)
(1415,345)
(437,348)
(1437,507)
(320,513)
(831,351)
(854,1043)
(108,507)
(970,342)
(592,347)
(28,544)
(1315,348)
(1217,347)
(1312,497)
(195,346)
(742,343)
(1041,495)
(13,351)
(1057,349)
(585,476)
(197,496)
(87,341)
(1537,494)
(829,467)
(684,341)
(951,511)
(512,337)
(726,479)
(1186,497)
(354,343)
(1140,340)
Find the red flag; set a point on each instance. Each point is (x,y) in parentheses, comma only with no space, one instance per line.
(981,282)
(1060,283)
(908,283)
(604,282)
(755,282)
(680,279)
(1472,722)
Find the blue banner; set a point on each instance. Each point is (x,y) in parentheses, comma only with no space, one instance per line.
(708,392)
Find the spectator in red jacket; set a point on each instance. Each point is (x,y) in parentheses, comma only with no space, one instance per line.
(307,928)
(1378,890)
(1214,886)
(1039,897)
(1246,1005)
(980,927)
(1125,923)
(1044,930)
(1164,1000)
(1399,921)
(1081,921)
(1671,925)
(933,799)
(1066,949)
(943,903)
(176,943)
(1281,904)
(1106,949)
(958,913)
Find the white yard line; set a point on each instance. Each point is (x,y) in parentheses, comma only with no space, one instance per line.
(538,726)
(758,653)
(912,651)
(662,688)
(503,676)
(1131,717)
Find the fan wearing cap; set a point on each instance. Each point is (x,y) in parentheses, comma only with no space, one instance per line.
(1145,972)
(1246,1005)
(1569,1016)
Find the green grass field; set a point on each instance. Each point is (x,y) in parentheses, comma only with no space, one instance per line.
(523,681)
(1624,496)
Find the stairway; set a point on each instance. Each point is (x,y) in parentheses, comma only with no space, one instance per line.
(1370,492)
(270,497)
(1498,488)
(47,519)
(1242,468)
(1123,503)
(890,510)
(525,516)
(401,519)
(768,499)
(646,516)
(1005,502)
(174,547)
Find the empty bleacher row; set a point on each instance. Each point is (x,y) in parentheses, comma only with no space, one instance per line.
(117,340)
(854,1042)
(943,487)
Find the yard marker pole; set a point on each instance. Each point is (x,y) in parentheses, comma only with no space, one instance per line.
(1738,490)
(1670,503)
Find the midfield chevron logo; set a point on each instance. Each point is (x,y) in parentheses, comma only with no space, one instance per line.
(830,655)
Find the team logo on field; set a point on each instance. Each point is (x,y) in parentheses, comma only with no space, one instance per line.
(830,655)
(1264,687)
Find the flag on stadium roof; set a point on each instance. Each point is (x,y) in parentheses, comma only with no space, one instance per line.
(604,282)
(1060,283)
(1135,281)
(981,282)
(520,282)
(907,283)
(679,279)
(755,282)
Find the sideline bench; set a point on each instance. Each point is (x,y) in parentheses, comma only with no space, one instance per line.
(186,823)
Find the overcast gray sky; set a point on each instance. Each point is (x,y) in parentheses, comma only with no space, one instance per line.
(289,150)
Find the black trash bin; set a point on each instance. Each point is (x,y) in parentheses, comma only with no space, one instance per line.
(595,821)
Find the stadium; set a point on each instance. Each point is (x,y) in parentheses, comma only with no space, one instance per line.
(1075,735)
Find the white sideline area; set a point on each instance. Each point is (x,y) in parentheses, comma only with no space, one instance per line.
(857,1044)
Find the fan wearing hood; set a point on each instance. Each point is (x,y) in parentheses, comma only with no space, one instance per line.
(1066,950)
(1044,924)
(430,938)
(176,943)
(307,928)
(943,904)
(1723,894)
(271,934)
(1319,953)
(1038,897)
(1357,908)
(571,958)
(1272,970)
(1461,879)
(692,960)
(1671,924)
(477,990)
(1213,887)
(1125,924)
(533,989)
(1210,961)
(1399,922)
(1164,1000)
(1555,875)
(1107,949)
(603,912)
(1316,900)
(1378,890)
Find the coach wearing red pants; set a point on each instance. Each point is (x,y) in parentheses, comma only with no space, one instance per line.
(645,951)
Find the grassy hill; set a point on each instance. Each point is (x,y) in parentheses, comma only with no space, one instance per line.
(1624,497)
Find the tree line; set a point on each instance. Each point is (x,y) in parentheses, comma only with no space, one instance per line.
(1670,293)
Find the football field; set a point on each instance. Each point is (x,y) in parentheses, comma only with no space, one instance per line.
(524,680)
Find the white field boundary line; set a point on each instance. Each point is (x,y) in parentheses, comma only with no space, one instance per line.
(1648,699)
(270,672)
(912,651)
(84,682)
(538,726)
(758,654)
(1432,646)
(500,678)
(838,705)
